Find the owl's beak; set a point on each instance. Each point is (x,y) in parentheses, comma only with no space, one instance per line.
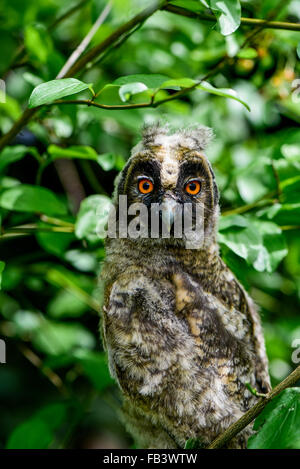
(168,209)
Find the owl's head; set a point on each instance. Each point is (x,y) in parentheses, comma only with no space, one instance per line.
(171,169)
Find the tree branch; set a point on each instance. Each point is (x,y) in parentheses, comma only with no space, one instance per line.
(82,62)
(252,413)
(119,36)
(17,127)
(19,60)
(244,21)
(267,199)
(67,14)
(85,42)
(53,377)
(112,107)
(88,102)
(115,36)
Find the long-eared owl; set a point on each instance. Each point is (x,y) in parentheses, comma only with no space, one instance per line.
(182,335)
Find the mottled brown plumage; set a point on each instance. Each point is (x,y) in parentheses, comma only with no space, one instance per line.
(182,335)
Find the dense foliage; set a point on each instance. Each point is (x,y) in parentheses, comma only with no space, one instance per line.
(55,389)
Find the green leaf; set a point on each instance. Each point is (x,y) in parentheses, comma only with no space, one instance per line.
(178,83)
(66,305)
(53,414)
(277,427)
(283,214)
(60,338)
(38,431)
(232,45)
(274,247)
(82,260)
(193,443)
(243,241)
(95,367)
(225,92)
(32,79)
(27,198)
(260,243)
(33,434)
(130,89)
(54,242)
(80,286)
(26,321)
(151,80)
(255,180)
(228,221)
(92,215)
(74,151)
(38,42)
(8,182)
(205,86)
(11,154)
(290,190)
(228,13)
(107,161)
(109,95)
(55,89)
(248,53)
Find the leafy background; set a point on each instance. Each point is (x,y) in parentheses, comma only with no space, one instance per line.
(55,390)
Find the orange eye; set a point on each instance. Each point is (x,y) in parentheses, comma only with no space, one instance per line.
(145,186)
(193,187)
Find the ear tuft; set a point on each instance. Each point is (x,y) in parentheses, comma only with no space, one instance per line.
(201,136)
(150,132)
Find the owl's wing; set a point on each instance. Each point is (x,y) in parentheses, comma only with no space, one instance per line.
(137,329)
(262,373)
(246,305)
(227,311)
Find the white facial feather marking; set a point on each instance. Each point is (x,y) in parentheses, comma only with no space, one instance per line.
(170,163)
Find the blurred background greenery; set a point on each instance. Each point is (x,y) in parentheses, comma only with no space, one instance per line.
(55,390)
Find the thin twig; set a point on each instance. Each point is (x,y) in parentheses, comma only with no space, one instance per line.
(92,177)
(244,21)
(32,228)
(111,107)
(277,179)
(289,227)
(260,27)
(67,14)
(85,42)
(116,45)
(252,413)
(115,37)
(19,60)
(56,221)
(265,200)
(48,372)
(88,102)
